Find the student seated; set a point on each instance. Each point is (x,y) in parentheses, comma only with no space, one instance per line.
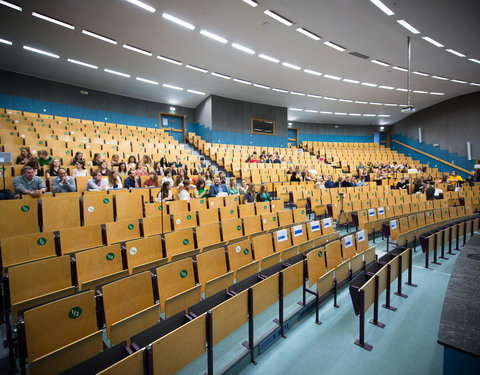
(131,182)
(152,180)
(165,193)
(262,195)
(232,186)
(63,183)
(184,189)
(217,188)
(113,181)
(29,184)
(44,158)
(96,183)
(201,192)
(25,156)
(250,194)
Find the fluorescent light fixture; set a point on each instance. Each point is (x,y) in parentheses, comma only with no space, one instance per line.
(242,81)
(296,109)
(4,41)
(278,17)
(346,100)
(10,5)
(340,113)
(117,73)
(297,93)
(168,59)
(308,33)
(220,75)
(269,58)
(354,114)
(82,64)
(382,7)
(348,80)
(440,78)
(311,111)
(475,61)
(138,50)
(168,86)
(326,112)
(98,36)
(146,80)
(474,84)
(375,103)
(312,72)
(251,3)
(291,66)
(53,20)
(401,89)
(243,48)
(386,87)
(360,102)
(409,27)
(334,46)
(329,98)
(420,92)
(368,115)
(314,96)
(436,93)
(378,62)
(336,78)
(261,86)
(142,5)
(391,105)
(383,116)
(399,68)
(197,68)
(214,36)
(432,41)
(280,90)
(457,81)
(421,74)
(173,109)
(381,127)
(456,53)
(41,52)
(369,84)
(178,21)
(196,92)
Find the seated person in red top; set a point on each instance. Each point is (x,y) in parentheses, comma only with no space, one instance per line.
(152,180)
(254,158)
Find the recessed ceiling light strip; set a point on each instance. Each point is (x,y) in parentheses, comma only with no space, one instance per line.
(98,36)
(142,5)
(82,64)
(41,52)
(53,20)
(138,50)
(11,5)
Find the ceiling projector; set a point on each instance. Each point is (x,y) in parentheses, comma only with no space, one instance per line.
(408,109)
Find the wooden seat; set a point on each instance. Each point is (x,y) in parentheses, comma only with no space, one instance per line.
(198,204)
(240,258)
(232,200)
(361,240)
(38,282)
(232,229)
(262,247)
(129,306)
(144,253)
(122,231)
(314,229)
(28,247)
(299,215)
(229,212)
(269,221)
(178,242)
(209,216)
(208,235)
(285,217)
(327,225)
(97,209)
(184,219)
(212,271)
(262,207)
(62,333)
(348,247)
(99,266)
(129,206)
(176,286)
(277,205)
(177,206)
(229,316)
(154,209)
(215,202)
(251,225)
(299,234)
(154,225)
(80,238)
(246,210)
(333,254)
(18,217)
(61,212)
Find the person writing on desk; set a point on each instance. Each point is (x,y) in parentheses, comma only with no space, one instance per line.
(217,187)
(29,184)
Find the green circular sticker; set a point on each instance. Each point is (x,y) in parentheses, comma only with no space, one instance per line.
(316,200)
(245,251)
(80,145)
(320,253)
(41,241)
(235,199)
(40,142)
(185,241)
(231,212)
(110,256)
(239,227)
(160,208)
(303,212)
(274,218)
(364,213)
(189,217)
(264,207)
(75,312)
(106,201)
(12,133)
(130,226)
(25,208)
(201,201)
(183,274)
(67,152)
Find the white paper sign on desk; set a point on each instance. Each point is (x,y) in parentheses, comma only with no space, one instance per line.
(327,223)
(361,236)
(393,224)
(282,235)
(371,212)
(348,241)
(297,231)
(314,226)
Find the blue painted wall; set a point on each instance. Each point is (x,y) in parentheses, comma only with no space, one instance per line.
(460,161)
(334,138)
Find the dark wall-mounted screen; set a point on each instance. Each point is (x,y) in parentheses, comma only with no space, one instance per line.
(260,126)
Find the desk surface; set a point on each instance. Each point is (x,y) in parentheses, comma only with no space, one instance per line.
(460,321)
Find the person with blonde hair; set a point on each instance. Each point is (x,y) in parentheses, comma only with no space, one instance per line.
(113,180)
(232,186)
(250,194)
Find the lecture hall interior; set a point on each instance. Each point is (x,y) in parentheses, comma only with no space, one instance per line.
(239,187)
